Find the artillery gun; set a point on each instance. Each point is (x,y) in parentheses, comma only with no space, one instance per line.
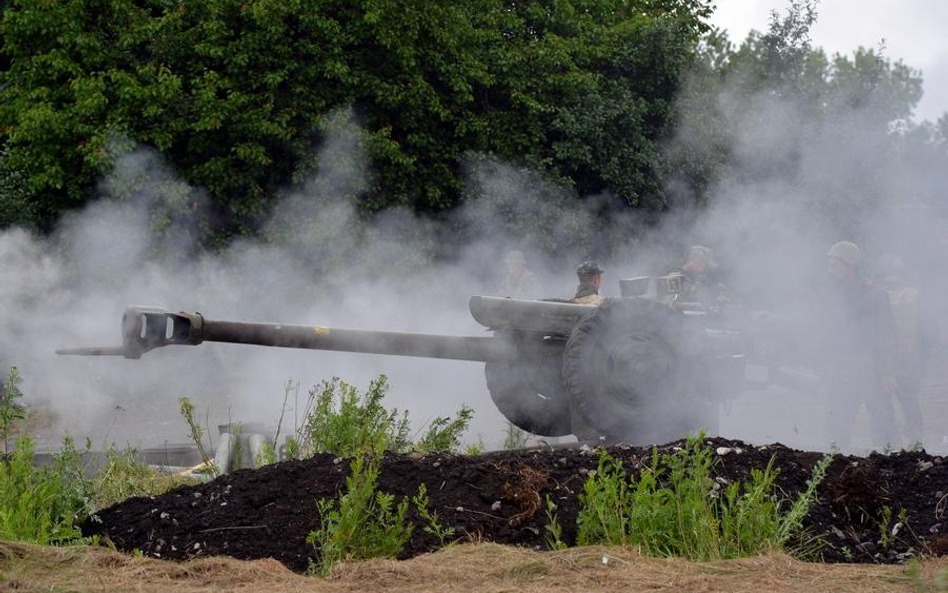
(639,368)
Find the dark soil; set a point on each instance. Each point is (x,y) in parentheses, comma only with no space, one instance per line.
(500,497)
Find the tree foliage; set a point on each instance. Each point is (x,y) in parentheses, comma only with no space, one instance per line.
(734,92)
(233,93)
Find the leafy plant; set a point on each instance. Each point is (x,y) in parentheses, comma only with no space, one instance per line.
(554,531)
(42,505)
(364,523)
(10,411)
(432,523)
(340,420)
(444,435)
(676,508)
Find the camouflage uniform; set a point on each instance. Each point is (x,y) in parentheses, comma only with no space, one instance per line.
(588,292)
(694,281)
(904,301)
(857,351)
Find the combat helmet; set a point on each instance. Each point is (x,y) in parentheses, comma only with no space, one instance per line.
(847,252)
(588,269)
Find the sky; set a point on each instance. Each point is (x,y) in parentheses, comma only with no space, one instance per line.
(912,31)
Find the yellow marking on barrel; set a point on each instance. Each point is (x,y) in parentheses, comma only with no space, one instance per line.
(321,330)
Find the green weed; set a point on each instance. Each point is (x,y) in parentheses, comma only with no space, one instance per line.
(266,456)
(676,507)
(364,523)
(433,524)
(340,420)
(196,432)
(554,531)
(475,449)
(124,475)
(444,435)
(11,412)
(42,504)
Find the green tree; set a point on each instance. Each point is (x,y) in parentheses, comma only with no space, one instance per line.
(234,93)
(778,71)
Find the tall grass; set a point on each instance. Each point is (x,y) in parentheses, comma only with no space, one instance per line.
(123,475)
(677,508)
(45,504)
(42,504)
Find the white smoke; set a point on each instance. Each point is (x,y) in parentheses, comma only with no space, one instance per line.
(797,186)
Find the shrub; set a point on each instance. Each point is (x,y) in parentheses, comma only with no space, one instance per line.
(340,420)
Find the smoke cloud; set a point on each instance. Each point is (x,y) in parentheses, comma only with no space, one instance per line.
(797,185)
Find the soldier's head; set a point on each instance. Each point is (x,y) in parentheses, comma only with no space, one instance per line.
(700,260)
(843,262)
(515,262)
(589,272)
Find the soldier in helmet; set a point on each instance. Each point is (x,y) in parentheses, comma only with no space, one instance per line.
(858,349)
(912,341)
(695,274)
(520,283)
(590,280)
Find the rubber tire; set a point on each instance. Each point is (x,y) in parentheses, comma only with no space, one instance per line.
(636,403)
(537,404)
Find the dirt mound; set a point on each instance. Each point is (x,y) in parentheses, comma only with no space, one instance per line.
(874,509)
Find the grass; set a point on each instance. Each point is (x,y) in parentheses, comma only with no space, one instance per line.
(124,475)
(515,437)
(676,507)
(42,504)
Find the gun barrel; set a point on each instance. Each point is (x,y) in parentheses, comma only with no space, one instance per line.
(482,349)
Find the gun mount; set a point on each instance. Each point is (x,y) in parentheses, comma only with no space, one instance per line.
(552,368)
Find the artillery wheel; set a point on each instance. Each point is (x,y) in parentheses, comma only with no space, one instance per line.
(624,368)
(528,390)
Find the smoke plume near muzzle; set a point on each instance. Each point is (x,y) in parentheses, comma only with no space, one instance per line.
(793,185)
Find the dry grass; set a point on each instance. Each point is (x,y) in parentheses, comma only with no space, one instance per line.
(461,569)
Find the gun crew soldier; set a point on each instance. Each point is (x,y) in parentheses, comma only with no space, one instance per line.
(590,280)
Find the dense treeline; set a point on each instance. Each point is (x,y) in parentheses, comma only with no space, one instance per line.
(233,93)
(236,94)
